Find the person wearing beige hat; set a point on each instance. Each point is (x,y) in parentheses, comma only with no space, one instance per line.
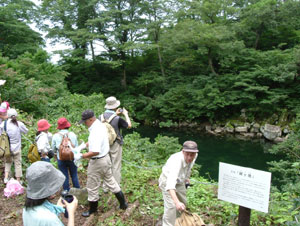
(115,152)
(173,179)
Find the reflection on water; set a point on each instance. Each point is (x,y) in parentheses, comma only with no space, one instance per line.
(215,149)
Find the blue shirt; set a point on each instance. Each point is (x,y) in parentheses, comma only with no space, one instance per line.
(57,138)
(43,215)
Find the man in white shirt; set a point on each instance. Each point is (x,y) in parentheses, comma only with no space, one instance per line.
(173,179)
(100,164)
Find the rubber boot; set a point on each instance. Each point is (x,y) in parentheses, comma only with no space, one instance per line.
(93,209)
(121,199)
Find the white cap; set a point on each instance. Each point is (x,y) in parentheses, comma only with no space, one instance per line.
(12,112)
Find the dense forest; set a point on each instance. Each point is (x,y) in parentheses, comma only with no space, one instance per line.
(169,61)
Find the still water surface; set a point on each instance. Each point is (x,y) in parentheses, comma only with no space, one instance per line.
(215,149)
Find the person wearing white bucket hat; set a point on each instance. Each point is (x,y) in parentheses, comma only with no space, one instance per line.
(43,182)
(14,129)
(174,179)
(115,152)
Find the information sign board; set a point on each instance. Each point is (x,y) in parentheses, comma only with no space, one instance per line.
(244,186)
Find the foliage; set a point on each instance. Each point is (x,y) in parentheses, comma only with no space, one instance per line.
(73,105)
(287,169)
(16,36)
(31,82)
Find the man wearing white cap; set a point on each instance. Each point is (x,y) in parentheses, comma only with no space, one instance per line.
(112,108)
(173,179)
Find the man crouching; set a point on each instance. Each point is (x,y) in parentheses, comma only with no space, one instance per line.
(173,179)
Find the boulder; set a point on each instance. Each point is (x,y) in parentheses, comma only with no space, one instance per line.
(286,130)
(248,135)
(219,130)
(208,128)
(229,129)
(248,125)
(241,129)
(270,132)
(255,128)
(279,139)
(259,135)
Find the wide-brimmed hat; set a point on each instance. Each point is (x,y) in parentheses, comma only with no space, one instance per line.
(43,180)
(190,146)
(43,124)
(12,112)
(87,114)
(112,103)
(4,106)
(63,123)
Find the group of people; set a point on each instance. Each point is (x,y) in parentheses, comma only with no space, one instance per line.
(104,167)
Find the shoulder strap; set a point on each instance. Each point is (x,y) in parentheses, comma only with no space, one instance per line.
(111,118)
(102,119)
(5,125)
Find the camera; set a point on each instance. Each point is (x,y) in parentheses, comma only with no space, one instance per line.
(121,110)
(66,197)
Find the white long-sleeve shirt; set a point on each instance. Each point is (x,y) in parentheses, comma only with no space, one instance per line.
(175,171)
(14,133)
(98,139)
(43,141)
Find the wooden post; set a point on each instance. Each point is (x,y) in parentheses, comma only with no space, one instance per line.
(244,216)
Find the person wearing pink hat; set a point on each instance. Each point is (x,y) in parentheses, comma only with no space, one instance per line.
(3,114)
(65,167)
(43,140)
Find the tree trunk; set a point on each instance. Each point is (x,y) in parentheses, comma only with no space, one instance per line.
(123,81)
(258,35)
(160,61)
(210,62)
(93,52)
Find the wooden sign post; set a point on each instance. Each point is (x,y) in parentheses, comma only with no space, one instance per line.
(244,216)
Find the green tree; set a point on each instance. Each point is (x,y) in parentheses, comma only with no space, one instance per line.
(16,37)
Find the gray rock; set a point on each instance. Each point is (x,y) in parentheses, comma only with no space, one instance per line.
(279,139)
(270,132)
(259,135)
(229,129)
(249,135)
(81,194)
(219,130)
(208,128)
(241,129)
(247,124)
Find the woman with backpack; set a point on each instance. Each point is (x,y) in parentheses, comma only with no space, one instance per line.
(65,165)
(43,140)
(14,129)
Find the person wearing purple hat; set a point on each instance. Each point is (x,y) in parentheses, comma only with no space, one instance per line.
(174,179)
(65,167)
(43,140)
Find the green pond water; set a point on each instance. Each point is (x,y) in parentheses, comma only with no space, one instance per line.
(215,149)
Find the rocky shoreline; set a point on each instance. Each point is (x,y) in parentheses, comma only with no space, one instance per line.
(267,131)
